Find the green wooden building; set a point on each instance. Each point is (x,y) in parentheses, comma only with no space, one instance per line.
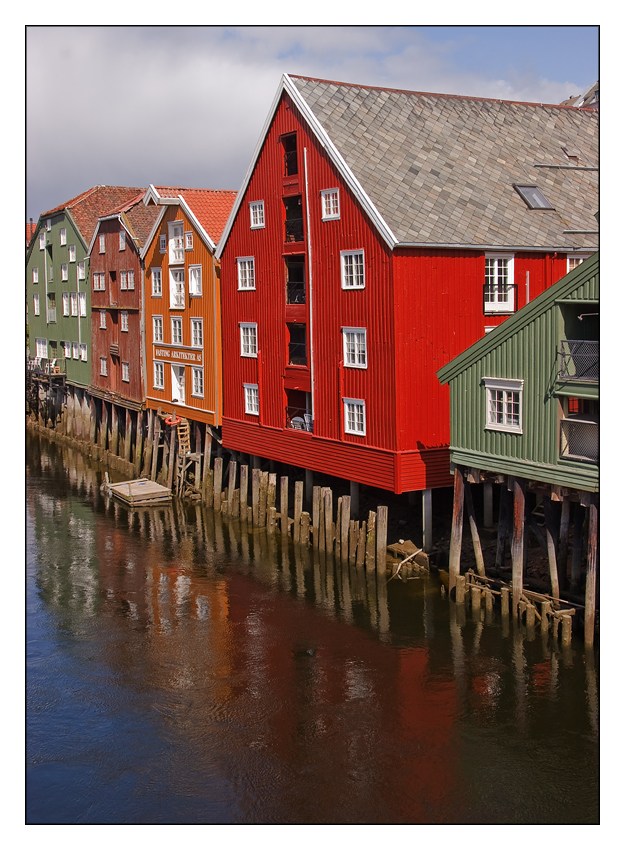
(524,413)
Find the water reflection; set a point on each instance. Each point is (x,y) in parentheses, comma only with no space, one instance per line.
(210,673)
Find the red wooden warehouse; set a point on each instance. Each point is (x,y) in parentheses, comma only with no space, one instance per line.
(377,234)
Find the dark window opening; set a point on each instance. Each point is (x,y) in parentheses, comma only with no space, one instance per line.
(297,344)
(295,281)
(294,219)
(298,410)
(289,144)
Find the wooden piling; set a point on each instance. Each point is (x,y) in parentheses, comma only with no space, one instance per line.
(502,528)
(315,516)
(138,457)
(362,545)
(171,457)
(370,543)
(337,539)
(381,538)
(567,629)
(353,541)
(563,544)
(297,509)
(345,521)
(217,483)
(104,426)
(577,547)
(552,553)
(114,441)
(516,547)
(207,491)
(271,520)
(197,484)
(475,535)
(460,585)
(255,495)
(476,598)
(263,485)
(455,544)
(156,441)
(232,480)
(271,491)
(487,494)
(243,491)
(591,574)
(505,602)
(304,538)
(284,505)
(327,510)
(127,435)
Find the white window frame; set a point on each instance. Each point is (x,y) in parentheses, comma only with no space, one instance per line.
(71,250)
(246,273)
(48,224)
(499,306)
(188,240)
(131,279)
(162,243)
(41,348)
(35,275)
(63,236)
(197,333)
(509,387)
(156,275)
(159,375)
(123,280)
(42,240)
(351,278)
(73,303)
(257,214)
(50,273)
(176,330)
(125,371)
(176,242)
(65,300)
(102,243)
(571,258)
(249,339)
(104,366)
(82,303)
(103,319)
(197,381)
(36,304)
(252,399)
(157,328)
(75,351)
(81,270)
(351,357)
(83,351)
(195,281)
(64,271)
(98,282)
(328,198)
(177,293)
(123,321)
(67,348)
(352,408)
(122,240)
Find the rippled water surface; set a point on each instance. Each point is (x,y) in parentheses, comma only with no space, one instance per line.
(183,670)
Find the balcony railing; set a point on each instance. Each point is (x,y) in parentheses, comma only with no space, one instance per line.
(296,292)
(579,438)
(294,230)
(578,360)
(298,419)
(43,366)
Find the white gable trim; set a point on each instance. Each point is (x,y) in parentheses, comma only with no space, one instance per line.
(153,196)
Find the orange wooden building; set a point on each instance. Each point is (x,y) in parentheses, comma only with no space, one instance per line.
(183,304)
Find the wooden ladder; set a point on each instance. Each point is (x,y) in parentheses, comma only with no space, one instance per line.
(184,448)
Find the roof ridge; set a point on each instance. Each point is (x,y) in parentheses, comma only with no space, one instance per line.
(437,94)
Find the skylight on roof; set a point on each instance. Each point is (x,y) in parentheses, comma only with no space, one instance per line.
(534,198)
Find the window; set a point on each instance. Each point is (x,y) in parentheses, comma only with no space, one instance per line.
(122,240)
(575,260)
(353,269)
(72,253)
(123,325)
(176,331)
(354,416)
(131,279)
(157,283)
(295,280)
(75,351)
(297,344)
(163,244)
(42,240)
(35,275)
(249,342)
(198,381)
(83,351)
(98,282)
(73,300)
(125,371)
(533,197)
(289,145)
(195,281)
(67,349)
(41,348)
(176,244)
(355,347)
(82,302)
(159,375)
(178,384)
(330,204)
(251,399)
(503,404)
(81,270)
(102,243)
(64,272)
(257,214)
(157,328)
(103,369)
(197,333)
(63,236)
(499,283)
(176,289)
(65,300)
(188,240)
(123,280)
(48,224)
(51,307)
(51,273)
(36,304)
(245,266)
(103,319)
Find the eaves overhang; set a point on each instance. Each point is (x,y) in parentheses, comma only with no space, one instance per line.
(153,196)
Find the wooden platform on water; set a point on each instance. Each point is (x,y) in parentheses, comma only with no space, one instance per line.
(140,492)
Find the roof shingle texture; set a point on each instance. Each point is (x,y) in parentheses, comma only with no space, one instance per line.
(89,206)
(211,207)
(440,169)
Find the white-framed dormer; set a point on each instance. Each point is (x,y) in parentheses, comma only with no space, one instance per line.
(176,242)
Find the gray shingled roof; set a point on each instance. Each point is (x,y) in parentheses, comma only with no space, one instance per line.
(440,169)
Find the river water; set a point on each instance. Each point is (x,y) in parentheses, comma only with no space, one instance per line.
(183,670)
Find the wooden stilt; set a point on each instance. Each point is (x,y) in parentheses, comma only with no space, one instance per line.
(197,484)
(217,483)
(576,550)
(304,537)
(370,543)
(155,446)
(284,505)
(591,574)
(127,435)
(308,475)
(455,544)
(297,510)
(550,529)
(475,535)
(243,492)
(362,545)
(232,480)
(138,456)
(518,533)
(563,545)
(104,426)
(502,528)
(255,495)
(487,493)
(114,441)
(353,541)
(271,491)
(345,521)
(207,494)
(92,422)
(322,521)
(381,538)
(171,459)
(460,585)
(327,509)
(315,516)
(426,507)
(263,484)
(337,538)
(354,494)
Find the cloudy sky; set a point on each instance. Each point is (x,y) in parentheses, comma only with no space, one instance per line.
(185,105)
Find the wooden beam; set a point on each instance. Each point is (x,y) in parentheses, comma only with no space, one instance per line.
(455,543)
(475,535)
(518,535)
(550,528)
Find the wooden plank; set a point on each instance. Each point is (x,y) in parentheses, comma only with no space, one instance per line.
(381,539)
(232,480)
(345,520)
(243,491)
(362,544)
(315,515)
(304,537)
(327,511)
(297,509)
(591,574)
(284,505)
(455,543)
(255,495)
(370,543)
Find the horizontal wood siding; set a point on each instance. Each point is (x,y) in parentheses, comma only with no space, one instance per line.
(207,308)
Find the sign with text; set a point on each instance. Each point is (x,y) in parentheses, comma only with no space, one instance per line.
(178,354)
